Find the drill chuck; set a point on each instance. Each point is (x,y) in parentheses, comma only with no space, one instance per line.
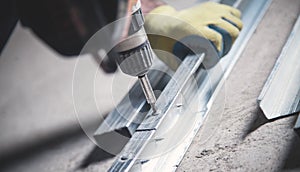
(136,62)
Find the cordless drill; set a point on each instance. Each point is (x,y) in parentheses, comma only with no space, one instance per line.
(135,54)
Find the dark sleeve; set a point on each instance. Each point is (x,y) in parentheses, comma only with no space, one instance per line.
(66,25)
(8,20)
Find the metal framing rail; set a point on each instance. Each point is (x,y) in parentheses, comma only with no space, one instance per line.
(150,124)
(159,148)
(281,93)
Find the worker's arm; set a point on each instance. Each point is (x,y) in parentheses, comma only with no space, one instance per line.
(219,23)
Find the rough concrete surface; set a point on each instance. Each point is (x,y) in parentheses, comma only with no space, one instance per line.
(40,131)
(244,140)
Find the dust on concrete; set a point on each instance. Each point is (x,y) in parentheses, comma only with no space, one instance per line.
(245,140)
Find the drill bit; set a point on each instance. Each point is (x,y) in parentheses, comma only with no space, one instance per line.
(148,91)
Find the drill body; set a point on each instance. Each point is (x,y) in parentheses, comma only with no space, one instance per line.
(135,54)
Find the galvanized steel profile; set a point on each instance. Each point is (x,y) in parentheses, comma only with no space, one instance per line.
(281,93)
(125,120)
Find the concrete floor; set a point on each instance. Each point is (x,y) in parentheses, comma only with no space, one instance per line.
(244,140)
(40,131)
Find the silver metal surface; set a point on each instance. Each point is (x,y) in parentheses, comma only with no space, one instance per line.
(209,85)
(122,122)
(187,113)
(281,93)
(166,100)
(148,91)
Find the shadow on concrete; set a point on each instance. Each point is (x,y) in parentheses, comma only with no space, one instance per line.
(292,160)
(258,121)
(297,131)
(30,149)
(95,156)
(36,147)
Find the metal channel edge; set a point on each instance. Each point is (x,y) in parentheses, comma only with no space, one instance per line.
(281,93)
(152,121)
(253,12)
(121,123)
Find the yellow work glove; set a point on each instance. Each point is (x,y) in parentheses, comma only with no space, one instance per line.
(218,23)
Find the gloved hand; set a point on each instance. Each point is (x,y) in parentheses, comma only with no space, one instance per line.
(218,23)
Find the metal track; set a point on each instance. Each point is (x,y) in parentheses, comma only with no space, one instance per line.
(150,124)
(281,93)
(122,122)
(210,83)
(161,147)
